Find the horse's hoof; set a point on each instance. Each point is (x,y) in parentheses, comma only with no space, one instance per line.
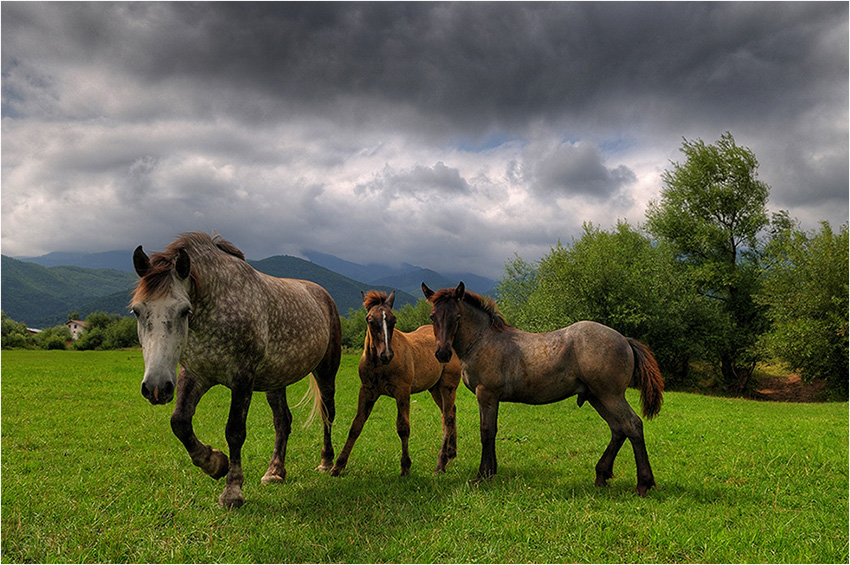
(219,464)
(231,498)
(601,482)
(337,471)
(641,490)
(324,467)
(270,478)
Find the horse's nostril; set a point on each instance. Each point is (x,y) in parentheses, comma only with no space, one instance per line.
(167,390)
(145,392)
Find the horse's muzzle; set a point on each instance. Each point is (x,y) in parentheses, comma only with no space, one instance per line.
(386,357)
(158,395)
(444,355)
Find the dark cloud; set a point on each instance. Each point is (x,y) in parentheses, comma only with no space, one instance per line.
(423,183)
(578,170)
(285,125)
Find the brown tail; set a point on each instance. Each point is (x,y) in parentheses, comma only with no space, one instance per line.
(647,377)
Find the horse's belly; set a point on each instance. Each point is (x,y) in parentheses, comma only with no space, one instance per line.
(544,389)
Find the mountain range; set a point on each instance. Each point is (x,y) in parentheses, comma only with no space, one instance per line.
(44,291)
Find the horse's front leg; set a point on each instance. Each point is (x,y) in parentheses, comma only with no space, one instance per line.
(402,426)
(234,432)
(365,402)
(276,472)
(444,397)
(488,410)
(189,392)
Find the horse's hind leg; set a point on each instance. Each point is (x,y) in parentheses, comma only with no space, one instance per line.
(325,375)
(276,472)
(189,392)
(624,423)
(365,402)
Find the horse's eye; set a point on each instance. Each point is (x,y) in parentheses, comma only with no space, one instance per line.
(185,312)
(135,311)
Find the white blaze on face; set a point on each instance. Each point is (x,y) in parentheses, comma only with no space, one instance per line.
(386,334)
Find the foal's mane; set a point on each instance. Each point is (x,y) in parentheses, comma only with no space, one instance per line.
(374,298)
(485,304)
(198,245)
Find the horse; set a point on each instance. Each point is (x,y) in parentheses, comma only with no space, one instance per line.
(200,304)
(398,364)
(503,364)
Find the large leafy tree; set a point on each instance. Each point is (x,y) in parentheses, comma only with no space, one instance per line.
(807,292)
(713,209)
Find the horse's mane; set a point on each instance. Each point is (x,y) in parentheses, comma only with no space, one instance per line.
(485,304)
(374,298)
(198,245)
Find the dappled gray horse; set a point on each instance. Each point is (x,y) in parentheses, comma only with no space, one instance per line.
(201,305)
(503,364)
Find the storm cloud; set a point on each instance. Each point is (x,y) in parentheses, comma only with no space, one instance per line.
(469,131)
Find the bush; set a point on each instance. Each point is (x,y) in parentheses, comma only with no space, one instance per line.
(14,334)
(806,291)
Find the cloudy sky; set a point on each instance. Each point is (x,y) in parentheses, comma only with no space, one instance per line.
(449,136)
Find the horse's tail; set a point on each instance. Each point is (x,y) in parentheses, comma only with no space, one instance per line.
(647,377)
(318,406)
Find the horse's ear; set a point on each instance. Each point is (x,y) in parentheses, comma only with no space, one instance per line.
(427,291)
(390,299)
(141,262)
(459,291)
(183,265)
(363,295)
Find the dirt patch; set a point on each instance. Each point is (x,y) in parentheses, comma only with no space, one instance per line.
(789,388)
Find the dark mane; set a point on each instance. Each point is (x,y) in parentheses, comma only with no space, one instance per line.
(158,279)
(374,298)
(485,304)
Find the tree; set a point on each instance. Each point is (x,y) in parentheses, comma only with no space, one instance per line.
(712,210)
(806,291)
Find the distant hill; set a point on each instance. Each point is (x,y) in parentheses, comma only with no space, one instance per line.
(43,297)
(406,277)
(118,260)
(43,291)
(345,291)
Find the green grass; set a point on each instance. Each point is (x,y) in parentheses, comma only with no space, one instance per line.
(92,473)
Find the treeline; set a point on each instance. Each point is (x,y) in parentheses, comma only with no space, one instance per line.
(102,331)
(711,277)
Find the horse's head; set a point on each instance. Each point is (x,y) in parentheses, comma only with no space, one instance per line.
(445,315)
(162,308)
(380,323)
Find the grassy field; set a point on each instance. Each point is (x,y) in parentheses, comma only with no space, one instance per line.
(92,473)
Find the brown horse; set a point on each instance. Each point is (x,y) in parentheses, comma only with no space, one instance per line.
(503,364)
(399,364)
(199,303)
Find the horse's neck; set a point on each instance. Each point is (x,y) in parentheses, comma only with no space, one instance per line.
(474,325)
